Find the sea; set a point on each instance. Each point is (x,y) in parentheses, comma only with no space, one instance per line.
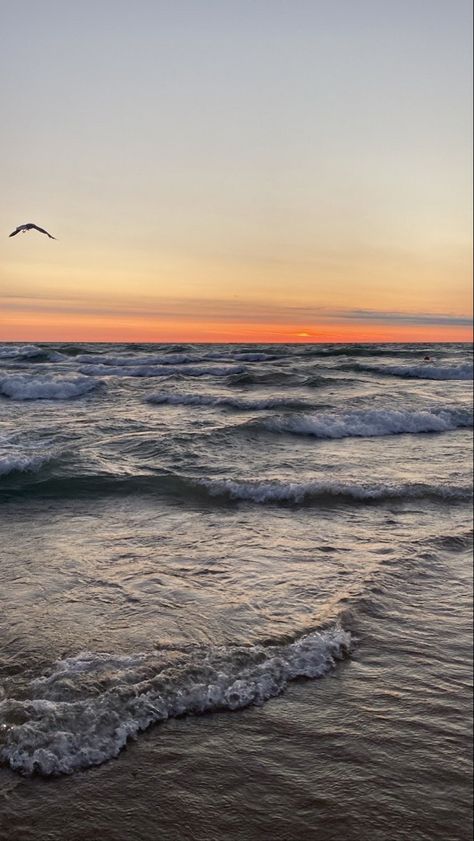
(235,592)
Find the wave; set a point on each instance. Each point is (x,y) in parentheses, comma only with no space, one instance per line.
(167,358)
(245,377)
(136,361)
(281,379)
(371,423)
(75,351)
(20,351)
(241,356)
(23,463)
(158,371)
(238,403)
(86,709)
(171,358)
(453,542)
(29,353)
(425,371)
(225,491)
(356,350)
(46,388)
(319,381)
(276,491)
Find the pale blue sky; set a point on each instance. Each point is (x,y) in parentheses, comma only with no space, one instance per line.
(275,145)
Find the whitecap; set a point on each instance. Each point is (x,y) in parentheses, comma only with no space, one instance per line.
(372,423)
(20,351)
(277,491)
(23,387)
(18,462)
(83,712)
(238,403)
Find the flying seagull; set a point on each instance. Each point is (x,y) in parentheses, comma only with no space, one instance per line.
(28,227)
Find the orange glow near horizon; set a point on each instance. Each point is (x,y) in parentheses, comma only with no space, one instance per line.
(72,327)
(316,191)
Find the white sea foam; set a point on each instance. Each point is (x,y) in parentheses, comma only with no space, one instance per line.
(425,371)
(25,387)
(277,491)
(18,462)
(20,351)
(372,422)
(159,370)
(86,709)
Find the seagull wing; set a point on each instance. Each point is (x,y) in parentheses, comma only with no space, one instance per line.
(27,227)
(42,230)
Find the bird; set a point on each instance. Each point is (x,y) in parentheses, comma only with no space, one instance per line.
(28,227)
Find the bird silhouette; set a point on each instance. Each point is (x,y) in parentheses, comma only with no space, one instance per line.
(28,227)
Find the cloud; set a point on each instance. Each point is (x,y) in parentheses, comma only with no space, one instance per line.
(234,310)
(383,317)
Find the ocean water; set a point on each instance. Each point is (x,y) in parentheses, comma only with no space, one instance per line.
(235,591)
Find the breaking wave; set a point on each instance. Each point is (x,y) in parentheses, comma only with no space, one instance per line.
(276,491)
(17,462)
(20,351)
(188,489)
(28,353)
(371,423)
(83,712)
(239,403)
(46,388)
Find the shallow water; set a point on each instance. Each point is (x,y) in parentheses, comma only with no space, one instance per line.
(277,536)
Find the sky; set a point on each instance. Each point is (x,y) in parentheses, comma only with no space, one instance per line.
(236,170)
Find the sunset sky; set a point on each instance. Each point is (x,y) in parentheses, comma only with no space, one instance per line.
(236,170)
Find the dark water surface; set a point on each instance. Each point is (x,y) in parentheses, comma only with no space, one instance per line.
(277,536)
